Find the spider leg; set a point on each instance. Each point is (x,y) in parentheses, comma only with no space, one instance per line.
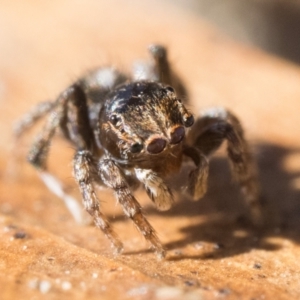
(197,185)
(70,112)
(156,188)
(32,116)
(39,150)
(85,172)
(159,69)
(77,128)
(113,178)
(72,116)
(75,124)
(210,130)
(161,64)
(38,153)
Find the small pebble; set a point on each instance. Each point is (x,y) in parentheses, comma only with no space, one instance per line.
(51,258)
(169,293)
(257,266)
(219,246)
(198,245)
(44,286)
(142,290)
(83,285)
(225,291)
(66,285)
(189,283)
(178,252)
(20,235)
(33,283)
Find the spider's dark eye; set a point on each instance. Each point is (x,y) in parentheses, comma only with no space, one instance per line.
(156,146)
(114,119)
(177,135)
(188,121)
(136,148)
(170,89)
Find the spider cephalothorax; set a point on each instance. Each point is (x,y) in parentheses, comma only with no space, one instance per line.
(143,122)
(131,130)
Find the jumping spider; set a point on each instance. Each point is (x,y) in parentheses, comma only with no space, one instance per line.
(129,130)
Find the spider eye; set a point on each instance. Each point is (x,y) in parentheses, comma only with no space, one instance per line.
(156,146)
(188,120)
(177,135)
(114,119)
(170,89)
(136,148)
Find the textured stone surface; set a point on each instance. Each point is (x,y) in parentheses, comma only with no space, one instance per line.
(212,254)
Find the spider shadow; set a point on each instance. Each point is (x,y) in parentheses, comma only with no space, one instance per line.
(221,212)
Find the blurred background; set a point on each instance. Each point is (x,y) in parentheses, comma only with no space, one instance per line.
(273,25)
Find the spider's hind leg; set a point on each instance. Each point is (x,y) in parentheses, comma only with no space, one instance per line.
(210,130)
(32,116)
(159,69)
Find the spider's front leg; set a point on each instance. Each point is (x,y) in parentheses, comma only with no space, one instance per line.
(113,178)
(210,130)
(85,172)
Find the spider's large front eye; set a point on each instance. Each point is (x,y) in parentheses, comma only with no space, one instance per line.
(177,135)
(156,146)
(136,148)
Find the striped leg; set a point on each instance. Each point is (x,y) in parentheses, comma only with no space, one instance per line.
(84,173)
(210,130)
(113,178)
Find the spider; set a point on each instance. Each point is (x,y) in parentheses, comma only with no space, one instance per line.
(132,130)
